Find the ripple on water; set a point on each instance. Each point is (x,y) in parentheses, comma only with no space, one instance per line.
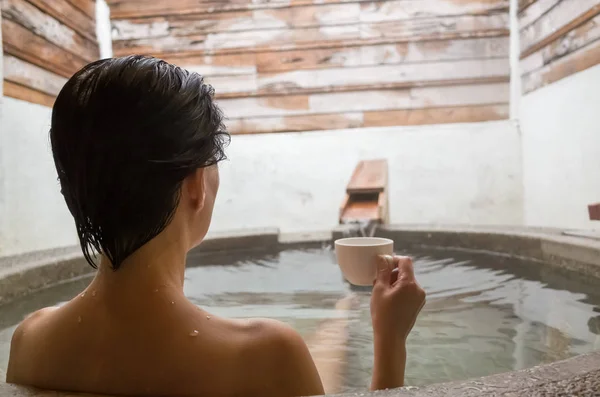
(479,318)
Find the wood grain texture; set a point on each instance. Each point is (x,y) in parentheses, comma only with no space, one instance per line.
(127,9)
(316,122)
(562,18)
(52,30)
(283,91)
(535,11)
(301,65)
(300,17)
(69,15)
(24,44)
(372,55)
(44,43)
(88,7)
(404,117)
(361,210)
(576,61)
(574,40)
(558,38)
(375,100)
(457,114)
(348,79)
(594,212)
(369,176)
(27,94)
(523,4)
(30,75)
(313,38)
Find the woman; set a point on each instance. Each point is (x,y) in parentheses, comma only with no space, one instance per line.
(136,142)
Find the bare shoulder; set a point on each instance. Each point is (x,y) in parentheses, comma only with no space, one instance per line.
(273,331)
(21,344)
(29,324)
(283,357)
(273,339)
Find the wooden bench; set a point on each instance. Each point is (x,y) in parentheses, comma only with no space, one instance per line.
(366,196)
(594,211)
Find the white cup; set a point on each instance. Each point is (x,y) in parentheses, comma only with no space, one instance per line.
(357,257)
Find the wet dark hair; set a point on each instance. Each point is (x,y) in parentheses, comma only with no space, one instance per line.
(125,133)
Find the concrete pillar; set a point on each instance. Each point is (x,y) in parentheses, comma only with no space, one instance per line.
(2,148)
(103,29)
(515,74)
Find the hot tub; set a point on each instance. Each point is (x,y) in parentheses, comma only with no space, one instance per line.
(498,300)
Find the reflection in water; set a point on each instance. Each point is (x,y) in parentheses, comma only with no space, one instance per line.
(480,318)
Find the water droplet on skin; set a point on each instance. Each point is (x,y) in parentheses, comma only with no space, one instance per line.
(93,293)
(172,302)
(194,333)
(79,319)
(208,317)
(82,295)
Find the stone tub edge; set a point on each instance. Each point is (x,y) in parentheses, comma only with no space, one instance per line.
(564,253)
(30,272)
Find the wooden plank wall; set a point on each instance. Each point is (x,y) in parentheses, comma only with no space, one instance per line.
(558,38)
(298,65)
(44,43)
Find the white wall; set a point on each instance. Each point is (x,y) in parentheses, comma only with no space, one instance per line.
(33,215)
(453,174)
(464,173)
(560,124)
(2,148)
(103,29)
(514,55)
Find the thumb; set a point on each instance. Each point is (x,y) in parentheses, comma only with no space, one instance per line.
(384,269)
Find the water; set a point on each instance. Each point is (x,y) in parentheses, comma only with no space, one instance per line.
(479,318)
(364,227)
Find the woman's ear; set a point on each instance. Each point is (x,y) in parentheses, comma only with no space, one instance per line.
(196,189)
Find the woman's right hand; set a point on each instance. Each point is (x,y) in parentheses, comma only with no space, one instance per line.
(397,299)
(396,302)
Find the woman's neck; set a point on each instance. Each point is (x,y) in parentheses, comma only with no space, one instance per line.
(158,264)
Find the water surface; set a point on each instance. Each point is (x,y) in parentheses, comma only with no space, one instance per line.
(484,314)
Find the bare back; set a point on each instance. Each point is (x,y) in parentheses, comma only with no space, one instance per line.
(163,347)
